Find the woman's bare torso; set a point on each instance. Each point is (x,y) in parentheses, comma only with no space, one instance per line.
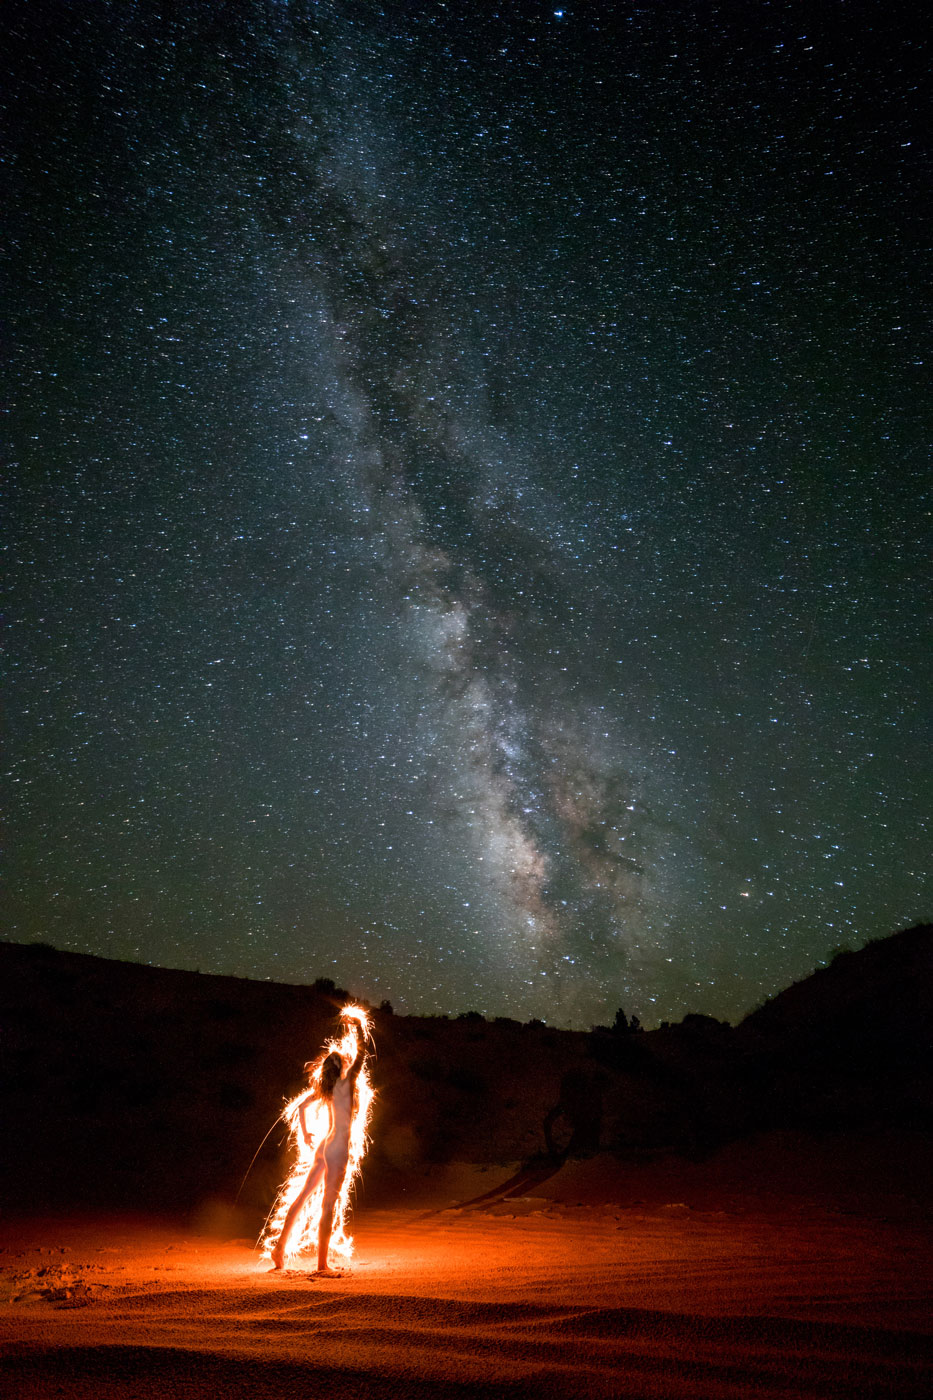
(335,1149)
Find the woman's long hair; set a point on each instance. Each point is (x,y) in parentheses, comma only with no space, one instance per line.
(324,1073)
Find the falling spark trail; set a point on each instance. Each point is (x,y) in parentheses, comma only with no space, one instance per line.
(304,1236)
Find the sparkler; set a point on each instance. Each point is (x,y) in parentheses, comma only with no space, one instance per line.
(317,1121)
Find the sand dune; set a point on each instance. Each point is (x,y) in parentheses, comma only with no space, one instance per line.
(509,1296)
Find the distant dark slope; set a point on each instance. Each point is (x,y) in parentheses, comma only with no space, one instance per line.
(886,987)
(130,1086)
(852,1044)
(133,1085)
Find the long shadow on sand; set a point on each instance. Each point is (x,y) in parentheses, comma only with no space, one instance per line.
(529,1175)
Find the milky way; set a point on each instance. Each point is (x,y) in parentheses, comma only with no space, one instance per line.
(467,513)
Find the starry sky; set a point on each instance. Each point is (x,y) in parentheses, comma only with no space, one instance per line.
(468,525)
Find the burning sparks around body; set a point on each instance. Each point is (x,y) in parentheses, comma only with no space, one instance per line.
(317,1118)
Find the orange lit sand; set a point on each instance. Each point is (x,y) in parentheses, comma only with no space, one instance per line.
(533,1295)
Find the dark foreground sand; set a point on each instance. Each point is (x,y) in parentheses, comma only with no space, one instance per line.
(550,1290)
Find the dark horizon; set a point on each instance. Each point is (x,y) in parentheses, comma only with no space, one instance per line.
(332,989)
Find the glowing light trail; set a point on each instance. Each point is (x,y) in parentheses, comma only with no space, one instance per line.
(317,1122)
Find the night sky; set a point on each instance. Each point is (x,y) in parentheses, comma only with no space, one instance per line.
(468,532)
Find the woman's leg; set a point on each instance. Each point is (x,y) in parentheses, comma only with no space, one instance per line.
(333,1181)
(294,1210)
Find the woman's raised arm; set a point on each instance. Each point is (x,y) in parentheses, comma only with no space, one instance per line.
(357,1065)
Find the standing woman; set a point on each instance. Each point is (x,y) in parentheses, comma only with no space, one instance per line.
(337,1089)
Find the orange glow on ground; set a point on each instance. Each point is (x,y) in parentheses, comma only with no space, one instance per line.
(522,1298)
(304,1235)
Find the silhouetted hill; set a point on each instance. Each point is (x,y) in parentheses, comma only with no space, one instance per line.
(851,1045)
(126,1085)
(884,991)
(140,1085)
